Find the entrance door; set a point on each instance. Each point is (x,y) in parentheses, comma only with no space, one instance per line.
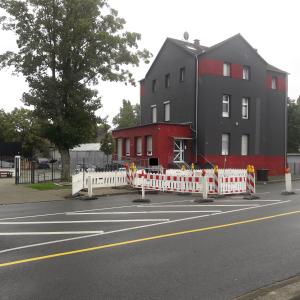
(178,151)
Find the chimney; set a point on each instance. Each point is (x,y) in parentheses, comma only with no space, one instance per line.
(197,42)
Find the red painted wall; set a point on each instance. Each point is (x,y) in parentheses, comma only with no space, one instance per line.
(281,82)
(162,140)
(210,67)
(237,71)
(276,164)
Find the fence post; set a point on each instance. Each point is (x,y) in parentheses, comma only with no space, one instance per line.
(32,167)
(204,184)
(90,186)
(17,169)
(288,183)
(143,185)
(216,180)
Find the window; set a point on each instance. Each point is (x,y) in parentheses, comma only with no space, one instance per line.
(225,144)
(226,69)
(119,149)
(181,74)
(139,146)
(154,113)
(167,81)
(244,148)
(154,85)
(245,108)
(274,83)
(149,145)
(226,106)
(127,146)
(246,73)
(167,111)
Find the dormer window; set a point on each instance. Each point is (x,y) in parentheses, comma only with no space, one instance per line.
(226,69)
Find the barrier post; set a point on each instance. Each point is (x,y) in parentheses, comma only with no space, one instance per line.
(204,184)
(143,185)
(90,187)
(251,184)
(288,183)
(216,180)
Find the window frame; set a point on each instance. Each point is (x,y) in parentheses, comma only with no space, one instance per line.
(223,150)
(154,86)
(226,114)
(274,83)
(138,144)
(247,69)
(148,150)
(247,148)
(167,81)
(246,104)
(227,69)
(182,74)
(154,109)
(167,104)
(127,147)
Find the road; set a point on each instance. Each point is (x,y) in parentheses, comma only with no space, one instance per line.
(171,248)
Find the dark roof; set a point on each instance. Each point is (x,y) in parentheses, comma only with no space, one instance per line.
(272,68)
(189,47)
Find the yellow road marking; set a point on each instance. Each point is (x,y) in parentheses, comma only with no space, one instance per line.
(156,237)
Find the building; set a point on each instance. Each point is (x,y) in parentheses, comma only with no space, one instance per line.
(221,105)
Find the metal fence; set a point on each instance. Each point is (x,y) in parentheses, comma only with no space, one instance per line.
(30,171)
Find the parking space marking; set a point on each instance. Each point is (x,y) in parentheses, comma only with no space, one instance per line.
(138,227)
(149,238)
(85,221)
(51,233)
(143,212)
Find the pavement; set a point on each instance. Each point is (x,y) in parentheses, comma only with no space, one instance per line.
(11,193)
(288,289)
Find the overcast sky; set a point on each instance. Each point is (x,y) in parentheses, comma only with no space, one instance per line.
(270,26)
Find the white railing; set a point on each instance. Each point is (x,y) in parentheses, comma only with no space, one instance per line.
(98,180)
(8,170)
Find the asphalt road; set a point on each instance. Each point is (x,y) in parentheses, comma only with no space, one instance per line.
(171,248)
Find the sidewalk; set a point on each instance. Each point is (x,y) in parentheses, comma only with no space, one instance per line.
(288,290)
(11,193)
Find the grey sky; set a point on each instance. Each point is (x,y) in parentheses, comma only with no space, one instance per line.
(270,26)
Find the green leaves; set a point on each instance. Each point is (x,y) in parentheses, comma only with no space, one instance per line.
(128,116)
(293,126)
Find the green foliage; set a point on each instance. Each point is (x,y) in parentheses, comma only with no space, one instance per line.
(45,186)
(293,110)
(106,141)
(22,126)
(128,116)
(65,46)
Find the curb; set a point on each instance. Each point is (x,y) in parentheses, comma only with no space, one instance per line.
(288,289)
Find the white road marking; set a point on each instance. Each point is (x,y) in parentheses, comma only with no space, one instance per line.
(95,209)
(263,193)
(52,232)
(198,205)
(143,212)
(85,221)
(135,228)
(242,200)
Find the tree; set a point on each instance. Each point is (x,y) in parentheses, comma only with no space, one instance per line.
(65,47)
(293,129)
(106,143)
(128,116)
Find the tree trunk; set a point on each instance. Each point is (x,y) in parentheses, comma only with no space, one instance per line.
(65,160)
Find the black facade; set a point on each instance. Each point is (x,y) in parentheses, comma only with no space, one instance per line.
(265,125)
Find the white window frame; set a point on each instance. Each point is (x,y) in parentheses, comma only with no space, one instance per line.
(127,146)
(139,146)
(245,145)
(226,106)
(154,113)
(274,83)
(149,142)
(225,143)
(119,148)
(246,73)
(245,108)
(167,111)
(226,69)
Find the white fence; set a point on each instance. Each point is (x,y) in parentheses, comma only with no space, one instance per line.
(98,180)
(230,181)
